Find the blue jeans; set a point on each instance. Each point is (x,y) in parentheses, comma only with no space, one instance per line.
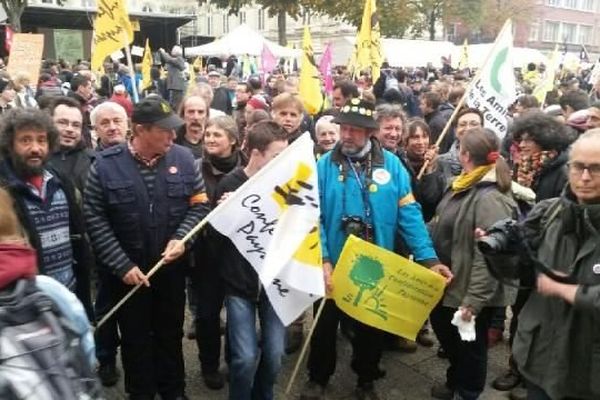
(252,374)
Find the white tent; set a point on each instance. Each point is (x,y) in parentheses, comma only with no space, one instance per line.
(478,53)
(240,41)
(397,52)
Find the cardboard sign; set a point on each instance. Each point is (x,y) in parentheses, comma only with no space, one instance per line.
(26,55)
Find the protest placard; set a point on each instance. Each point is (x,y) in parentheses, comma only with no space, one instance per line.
(384,290)
(26,55)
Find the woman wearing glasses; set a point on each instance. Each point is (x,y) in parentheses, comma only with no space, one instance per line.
(449,163)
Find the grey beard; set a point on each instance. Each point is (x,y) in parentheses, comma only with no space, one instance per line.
(357,155)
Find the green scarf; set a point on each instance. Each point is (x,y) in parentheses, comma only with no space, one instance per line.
(467,179)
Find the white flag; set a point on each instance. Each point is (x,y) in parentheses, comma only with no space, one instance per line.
(495,90)
(273,222)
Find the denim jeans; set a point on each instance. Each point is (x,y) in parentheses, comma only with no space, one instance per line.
(252,374)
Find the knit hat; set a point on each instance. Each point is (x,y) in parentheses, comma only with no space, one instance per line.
(357,112)
(257,103)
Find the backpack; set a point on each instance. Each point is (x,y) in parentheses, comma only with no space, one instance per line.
(41,356)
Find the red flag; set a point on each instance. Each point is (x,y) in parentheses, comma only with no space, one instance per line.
(268,62)
(325,68)
(8,37)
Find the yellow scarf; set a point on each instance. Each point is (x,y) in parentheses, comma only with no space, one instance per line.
(467,179)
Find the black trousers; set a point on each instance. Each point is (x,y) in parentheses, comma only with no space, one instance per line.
(468,360)
(366,347)
(209,292)
(151,324)
(107,337)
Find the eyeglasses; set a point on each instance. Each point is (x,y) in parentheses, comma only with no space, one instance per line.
(66,122)
(577,168)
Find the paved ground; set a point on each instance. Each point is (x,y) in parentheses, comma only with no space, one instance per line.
(409,376)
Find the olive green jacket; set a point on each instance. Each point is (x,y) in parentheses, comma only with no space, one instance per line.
(481,207)
(557,345)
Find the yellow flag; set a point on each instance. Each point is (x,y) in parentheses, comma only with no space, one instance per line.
(112,30)
(382,289)
(310,82)
(368,42)
(464,57)
(198,63)
(546,84)
(146,66)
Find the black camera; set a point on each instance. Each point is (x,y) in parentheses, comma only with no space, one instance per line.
(354,225)
(501,238)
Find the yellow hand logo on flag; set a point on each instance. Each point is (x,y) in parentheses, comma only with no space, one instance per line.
(309,252)
(382,289)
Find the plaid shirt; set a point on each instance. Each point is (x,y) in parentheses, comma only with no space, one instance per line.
(148,162)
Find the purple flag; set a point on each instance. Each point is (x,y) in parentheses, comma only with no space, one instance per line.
(268,61)
(325,68)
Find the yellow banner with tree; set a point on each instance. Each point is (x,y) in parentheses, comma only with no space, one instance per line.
(382,289)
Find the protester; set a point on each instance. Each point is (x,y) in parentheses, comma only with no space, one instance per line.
(436,113)
(342,92)
(593,119)
(25,96)
(449,163)
(175,81)
(205,91)
(347,176)
(82,91)
(242,95)
(392,124)
(480,196)
(252,373)
(195,113)
(110,124)
(73,159)
(287,110)
(221,100)
(572,101)
(328,134)
(221,155)
(7,95)
(141,199)
(121,96)
(45,201)
(553,346)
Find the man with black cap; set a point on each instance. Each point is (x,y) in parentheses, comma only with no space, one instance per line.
(365,191)
(142,198)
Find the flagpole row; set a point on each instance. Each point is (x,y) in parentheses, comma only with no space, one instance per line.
(305,346)
(463,98)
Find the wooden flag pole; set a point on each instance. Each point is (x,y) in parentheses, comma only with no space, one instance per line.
(463,98)
(193,232)
(305,346)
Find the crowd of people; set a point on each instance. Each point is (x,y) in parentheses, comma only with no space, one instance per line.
(104,187)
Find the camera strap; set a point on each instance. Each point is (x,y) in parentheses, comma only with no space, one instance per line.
(364,190)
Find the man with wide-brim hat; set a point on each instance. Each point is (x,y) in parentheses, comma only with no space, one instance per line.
(364,191)
(142,197)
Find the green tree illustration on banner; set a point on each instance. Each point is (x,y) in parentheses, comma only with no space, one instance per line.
(366,273)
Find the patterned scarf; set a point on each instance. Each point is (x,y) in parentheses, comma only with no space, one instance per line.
(529,167)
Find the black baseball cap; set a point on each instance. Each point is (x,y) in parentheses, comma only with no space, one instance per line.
(156,111)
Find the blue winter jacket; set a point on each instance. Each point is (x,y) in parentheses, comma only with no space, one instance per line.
(393,206)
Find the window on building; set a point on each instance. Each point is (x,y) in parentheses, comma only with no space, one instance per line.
(585,34)
(451,32)
(570,3)
(261,19)
(554,3)
(225,23)
(534,31)
(209,25)
(569,32)
(242,17)
(587,5)
(551,31)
